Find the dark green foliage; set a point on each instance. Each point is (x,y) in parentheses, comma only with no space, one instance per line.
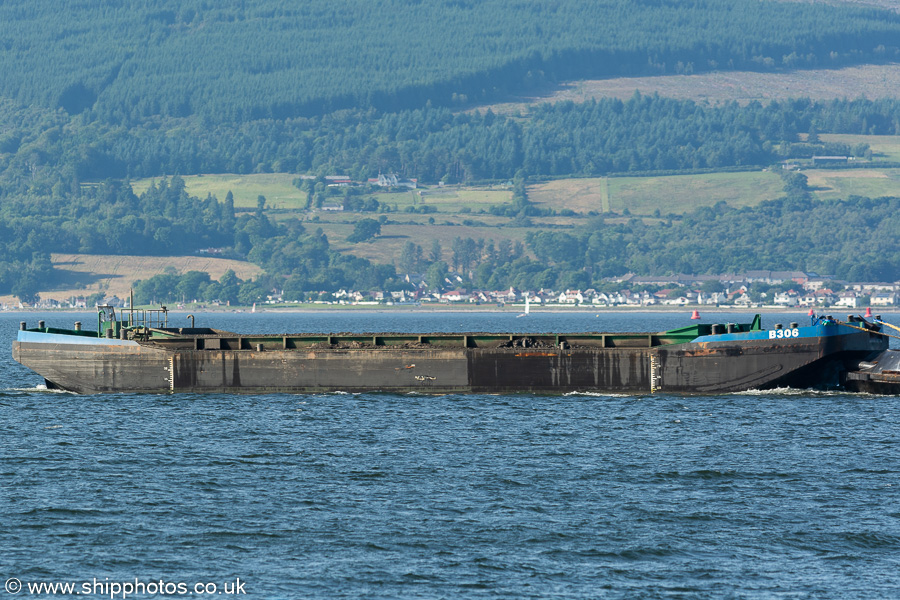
(170,287)
(795,182)
(436,275)
(851,239)
(235,61)
(45,209)
(643,134)
(364,230)
(411,258)
(116,91)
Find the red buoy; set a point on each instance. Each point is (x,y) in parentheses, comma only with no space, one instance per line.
(695,314)
(868,311)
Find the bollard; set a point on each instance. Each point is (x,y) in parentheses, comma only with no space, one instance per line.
(77,325)
(109,333)
(22,325)
(794,325)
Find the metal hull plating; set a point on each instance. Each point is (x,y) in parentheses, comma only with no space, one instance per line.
(710,364)
(880,375)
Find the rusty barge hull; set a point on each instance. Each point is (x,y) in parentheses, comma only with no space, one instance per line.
(201,360)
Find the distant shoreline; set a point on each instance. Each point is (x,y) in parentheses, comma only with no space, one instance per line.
(483,308)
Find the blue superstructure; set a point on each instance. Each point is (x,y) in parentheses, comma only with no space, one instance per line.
(824,328)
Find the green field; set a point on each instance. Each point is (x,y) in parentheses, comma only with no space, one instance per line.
(684,193)
(276,187)
(830,184)
(447,200)
(676,194)
(280,193)
(386,248)
(884,147)
(641,196)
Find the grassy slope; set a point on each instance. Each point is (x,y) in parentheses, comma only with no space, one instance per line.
(671,194)
(87,274)
(386,248)
(641,196)
(884,147)
(867,81)
(841,183)
(276,187)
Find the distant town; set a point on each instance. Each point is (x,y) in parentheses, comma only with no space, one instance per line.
(752,289)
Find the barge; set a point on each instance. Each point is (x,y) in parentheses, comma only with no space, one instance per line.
(137,351)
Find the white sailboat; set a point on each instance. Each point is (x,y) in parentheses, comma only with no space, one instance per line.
(526,308)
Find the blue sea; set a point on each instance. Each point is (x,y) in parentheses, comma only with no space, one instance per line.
(777,494)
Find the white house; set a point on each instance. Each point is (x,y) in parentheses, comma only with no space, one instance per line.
(847,299)
(571,297)
(883,299)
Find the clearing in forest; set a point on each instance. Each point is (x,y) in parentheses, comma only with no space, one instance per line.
(864,81)
(278,188)
(676,194)
(831,184)
(82,274)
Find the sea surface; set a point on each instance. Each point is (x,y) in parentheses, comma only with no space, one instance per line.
(776,494)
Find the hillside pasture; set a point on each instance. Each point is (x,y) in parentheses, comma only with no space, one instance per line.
(884,147)
(447,200)
(680,194)
(386,248)
(579,195)
(865,81)
(278,188)
(676,194)
(114,275)
(830,184)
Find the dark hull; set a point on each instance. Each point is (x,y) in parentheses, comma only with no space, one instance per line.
(191,365)
(880,375)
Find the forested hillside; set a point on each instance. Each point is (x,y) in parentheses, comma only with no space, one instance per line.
(231,60)
(46,207)
(852,239)
(46,153)
(94,94)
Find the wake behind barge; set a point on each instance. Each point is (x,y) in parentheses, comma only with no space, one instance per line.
(139,352)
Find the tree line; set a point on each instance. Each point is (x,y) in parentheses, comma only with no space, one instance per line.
(850,239)
(646,133)
(46,207)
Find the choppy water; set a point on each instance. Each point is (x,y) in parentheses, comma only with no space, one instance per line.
(784,494)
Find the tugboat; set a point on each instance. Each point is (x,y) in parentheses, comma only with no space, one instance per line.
(138,351)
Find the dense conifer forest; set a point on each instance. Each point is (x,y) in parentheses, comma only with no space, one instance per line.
(92,96)
(122,62)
